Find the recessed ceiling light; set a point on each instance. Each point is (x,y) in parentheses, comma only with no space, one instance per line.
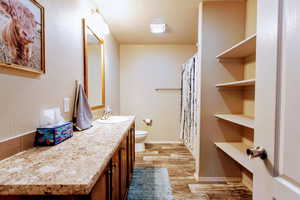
(158,28)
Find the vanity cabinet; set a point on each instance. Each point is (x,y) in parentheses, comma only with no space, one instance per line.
(131,152)
(113,183)
(123,168)
(102,188)
(115,180)
(116,176)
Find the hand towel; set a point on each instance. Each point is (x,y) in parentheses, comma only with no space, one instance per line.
(82,116)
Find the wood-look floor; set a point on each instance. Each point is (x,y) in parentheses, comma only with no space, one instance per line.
(181,167)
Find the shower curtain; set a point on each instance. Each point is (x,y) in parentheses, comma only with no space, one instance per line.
(189,102)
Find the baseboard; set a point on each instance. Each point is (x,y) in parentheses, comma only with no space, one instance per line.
(163,142)
(218,179)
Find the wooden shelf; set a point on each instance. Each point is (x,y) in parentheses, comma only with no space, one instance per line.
(237,119)
(237,151)
(249,82)
(241,50)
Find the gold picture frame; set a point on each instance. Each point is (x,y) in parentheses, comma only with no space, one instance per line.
(24,46)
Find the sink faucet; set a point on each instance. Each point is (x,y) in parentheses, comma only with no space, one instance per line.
(107,113)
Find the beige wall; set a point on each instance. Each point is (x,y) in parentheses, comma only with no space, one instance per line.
(144,68)
(24,96)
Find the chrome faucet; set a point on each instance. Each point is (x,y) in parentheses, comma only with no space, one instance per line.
(107,113)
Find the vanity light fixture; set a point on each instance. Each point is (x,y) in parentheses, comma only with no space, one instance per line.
(158,28)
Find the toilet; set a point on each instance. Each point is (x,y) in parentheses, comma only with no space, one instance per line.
(140,137)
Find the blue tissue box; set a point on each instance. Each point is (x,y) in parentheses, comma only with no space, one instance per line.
(54,135)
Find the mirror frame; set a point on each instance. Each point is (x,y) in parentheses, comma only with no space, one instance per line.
(86,78)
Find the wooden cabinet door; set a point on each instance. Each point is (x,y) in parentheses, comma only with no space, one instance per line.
(101,190)
(115,168)
(131,152)
(123,169)
(133,145)
(129,157)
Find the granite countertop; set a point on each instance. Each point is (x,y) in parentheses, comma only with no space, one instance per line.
(69,168)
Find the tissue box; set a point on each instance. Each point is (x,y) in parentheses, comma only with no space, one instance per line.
(54,135)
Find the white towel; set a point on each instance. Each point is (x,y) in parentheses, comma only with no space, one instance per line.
(82,116)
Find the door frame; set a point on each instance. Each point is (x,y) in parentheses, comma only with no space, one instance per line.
(266,100)
(268,183)
(283,188)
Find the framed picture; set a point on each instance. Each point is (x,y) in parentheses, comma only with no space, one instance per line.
(22,41)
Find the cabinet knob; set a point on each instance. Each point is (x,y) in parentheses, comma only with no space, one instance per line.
(114,165)
(257,152)
(109,172)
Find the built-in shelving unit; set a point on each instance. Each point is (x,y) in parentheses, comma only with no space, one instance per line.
(239,98)
(227,62)
(250,82)
(237,119)
(236,150)
(242,55)
(241,50)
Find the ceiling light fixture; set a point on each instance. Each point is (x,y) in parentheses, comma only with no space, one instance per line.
(158,28)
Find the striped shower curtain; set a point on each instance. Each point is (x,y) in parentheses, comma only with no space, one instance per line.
(189,102)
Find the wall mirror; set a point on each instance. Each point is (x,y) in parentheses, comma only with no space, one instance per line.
(94,83)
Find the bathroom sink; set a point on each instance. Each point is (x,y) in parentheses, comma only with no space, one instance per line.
(113,119)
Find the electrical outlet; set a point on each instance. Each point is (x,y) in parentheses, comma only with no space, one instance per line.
(66,105)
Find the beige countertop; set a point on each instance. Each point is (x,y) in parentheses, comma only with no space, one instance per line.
(72,167)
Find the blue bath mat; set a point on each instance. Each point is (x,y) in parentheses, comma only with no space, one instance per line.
(150,184)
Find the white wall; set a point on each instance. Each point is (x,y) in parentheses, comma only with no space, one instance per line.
(23,96)
(144,68)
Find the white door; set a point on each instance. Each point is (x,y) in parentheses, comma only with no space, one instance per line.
(278,100)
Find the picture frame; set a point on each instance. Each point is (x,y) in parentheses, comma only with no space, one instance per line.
(22,35)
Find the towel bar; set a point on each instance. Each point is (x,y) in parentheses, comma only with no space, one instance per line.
(158,89)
